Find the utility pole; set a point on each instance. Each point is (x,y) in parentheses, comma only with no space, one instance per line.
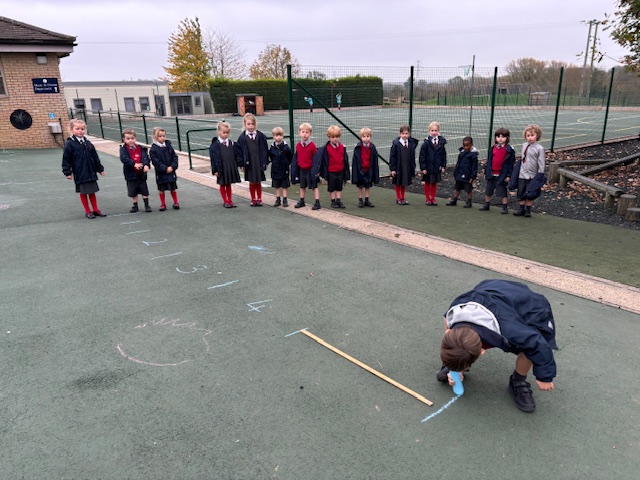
(593,56)
(586,56)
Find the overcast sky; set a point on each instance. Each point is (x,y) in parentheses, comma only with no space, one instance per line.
(127,40)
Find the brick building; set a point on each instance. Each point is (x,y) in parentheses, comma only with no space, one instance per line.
(31,96)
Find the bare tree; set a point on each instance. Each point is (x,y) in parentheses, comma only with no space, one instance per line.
(226,56)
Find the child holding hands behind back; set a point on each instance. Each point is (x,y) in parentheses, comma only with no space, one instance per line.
(280,157)
(165,162)
(225,160)
(497,171)
(402,162)
(365,169)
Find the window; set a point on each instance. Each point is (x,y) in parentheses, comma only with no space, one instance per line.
(144,104)
(198,101)
(3,90)
(129,104)
(182,105)
(96,105)
(78,104)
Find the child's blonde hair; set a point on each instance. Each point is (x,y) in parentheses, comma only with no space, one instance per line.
(334,131)
(532,128)
(75,121)
(305,126)
(129,131)
(434,125)
(365,131)
(277,131)
(156,131)
(249,116)
(223,126)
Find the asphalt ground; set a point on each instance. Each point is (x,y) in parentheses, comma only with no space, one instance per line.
(155,345)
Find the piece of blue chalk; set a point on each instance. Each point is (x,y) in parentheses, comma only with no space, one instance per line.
(458,388)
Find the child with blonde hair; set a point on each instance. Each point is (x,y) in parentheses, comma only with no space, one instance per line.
(225,161)
(402,162)
(165,162)
(280,157)
(433,161)
(305,166)
(80,161)
(528,174)
(334,165)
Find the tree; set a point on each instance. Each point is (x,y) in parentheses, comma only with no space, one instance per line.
(188,69)
(316,75)
(626,31)
(272,63)
(525,70)
(226,56)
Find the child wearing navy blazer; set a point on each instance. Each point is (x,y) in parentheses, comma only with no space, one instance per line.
(225,160)
(165,162)
(80,161)
(252,145)
(433,161)
(280,156)
(135,165)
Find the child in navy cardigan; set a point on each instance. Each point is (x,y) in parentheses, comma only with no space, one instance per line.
(466,172)
(498,170)
(80,161)
(280,158)
(433,161)
(365,171)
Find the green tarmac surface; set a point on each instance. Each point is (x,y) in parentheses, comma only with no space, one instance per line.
(154,345)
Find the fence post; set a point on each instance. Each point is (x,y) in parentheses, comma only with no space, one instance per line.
(290,98)
(101,127)
(411,98)
(178,134)
(119,121)
(555,120)
(606,112)
(144,125)
(493,108)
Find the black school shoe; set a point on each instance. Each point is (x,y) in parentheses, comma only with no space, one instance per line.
(98,213)
(522,394)
(441,376)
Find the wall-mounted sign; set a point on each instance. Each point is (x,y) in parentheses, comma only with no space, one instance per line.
(45,85)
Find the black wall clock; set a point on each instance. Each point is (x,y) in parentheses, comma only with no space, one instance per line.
(21,119)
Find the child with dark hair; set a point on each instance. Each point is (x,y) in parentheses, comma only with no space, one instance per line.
(280,157)
(498,169)
(433,161)
(165,163)
(402,162)
(511,317)
(80,161)
(135,165)
(466,172)
(365,169)
(529,171)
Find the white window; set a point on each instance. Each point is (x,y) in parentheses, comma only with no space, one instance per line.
(144,104)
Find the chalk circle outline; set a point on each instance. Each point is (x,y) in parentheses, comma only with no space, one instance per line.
(163,323)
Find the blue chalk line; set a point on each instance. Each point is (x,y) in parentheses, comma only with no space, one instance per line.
(442,409)
(297,331)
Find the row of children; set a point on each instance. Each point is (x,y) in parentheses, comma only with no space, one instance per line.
(81,162)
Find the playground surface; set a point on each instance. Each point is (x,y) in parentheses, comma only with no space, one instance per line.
(157,345)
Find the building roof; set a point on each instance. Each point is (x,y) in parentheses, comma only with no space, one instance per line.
(116,83)
(18,33)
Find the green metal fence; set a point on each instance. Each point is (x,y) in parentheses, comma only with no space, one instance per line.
(571,108)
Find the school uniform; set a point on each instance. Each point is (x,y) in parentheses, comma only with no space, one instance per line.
(433,158)
(334,166)
(254,154)
(496,171)
(225,161)
(280,158)
(402,160)
(528,175)
(80,159)
(365,170)
(136,178)
(466,169)
(305,165)
(163,157)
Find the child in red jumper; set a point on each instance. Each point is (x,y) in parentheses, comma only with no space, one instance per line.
(135,165)
(80,161)
(334,165)
(498,170)
(304,169)
(365,169)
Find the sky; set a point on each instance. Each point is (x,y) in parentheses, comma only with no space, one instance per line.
(127,40)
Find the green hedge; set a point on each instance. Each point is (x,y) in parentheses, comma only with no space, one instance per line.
(356,91)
